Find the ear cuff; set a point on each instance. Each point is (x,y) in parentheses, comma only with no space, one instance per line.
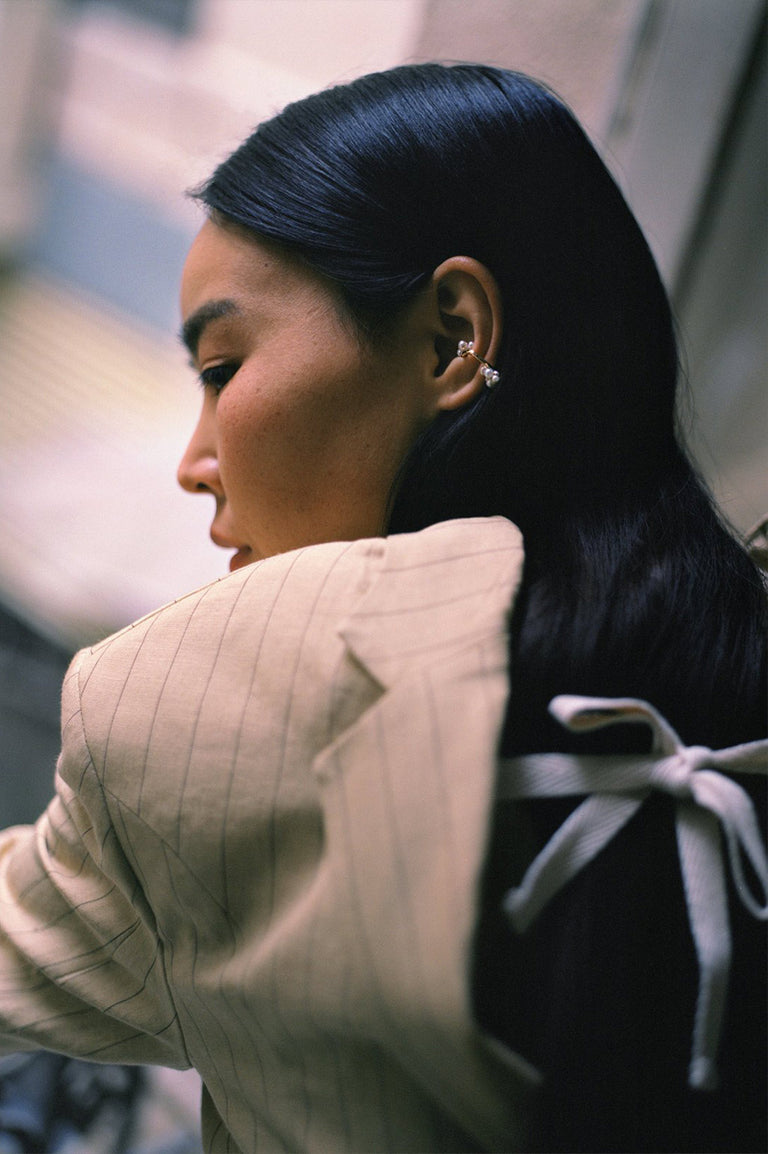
(490,375)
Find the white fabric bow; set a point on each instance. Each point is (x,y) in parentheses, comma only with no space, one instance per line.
(618,785)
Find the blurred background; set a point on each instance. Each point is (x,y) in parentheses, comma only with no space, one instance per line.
(110,109)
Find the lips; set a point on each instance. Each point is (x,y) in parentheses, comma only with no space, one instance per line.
(243,554)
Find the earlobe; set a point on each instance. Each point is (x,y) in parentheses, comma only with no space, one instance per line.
(468,336)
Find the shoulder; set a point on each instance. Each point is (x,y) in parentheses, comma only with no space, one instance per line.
(330,576)
(300,600)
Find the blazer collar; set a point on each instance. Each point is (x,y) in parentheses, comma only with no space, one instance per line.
(434,591)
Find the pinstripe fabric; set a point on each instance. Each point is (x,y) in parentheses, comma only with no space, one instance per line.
(265,848)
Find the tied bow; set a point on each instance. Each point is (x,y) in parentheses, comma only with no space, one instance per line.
(618,786)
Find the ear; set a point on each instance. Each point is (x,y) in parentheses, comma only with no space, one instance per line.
(469,309)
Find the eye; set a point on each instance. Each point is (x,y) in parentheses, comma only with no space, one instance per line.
(218,376)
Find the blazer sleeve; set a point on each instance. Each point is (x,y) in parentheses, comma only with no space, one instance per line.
(81,965)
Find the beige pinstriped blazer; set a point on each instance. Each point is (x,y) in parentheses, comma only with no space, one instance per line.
(263,856)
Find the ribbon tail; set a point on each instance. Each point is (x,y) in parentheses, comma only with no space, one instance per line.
(698,840)
(733,806)
(578,840)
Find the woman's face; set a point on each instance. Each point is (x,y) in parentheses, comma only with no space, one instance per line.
(303,428)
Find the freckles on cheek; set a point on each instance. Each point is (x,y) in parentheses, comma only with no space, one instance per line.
(244,412)
(236,436)
(262,443)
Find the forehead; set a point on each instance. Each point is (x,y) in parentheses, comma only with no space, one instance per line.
(224,263)
(233,274)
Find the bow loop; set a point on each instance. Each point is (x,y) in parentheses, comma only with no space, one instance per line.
(583,714)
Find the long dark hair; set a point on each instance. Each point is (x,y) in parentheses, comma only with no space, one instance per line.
(632,584)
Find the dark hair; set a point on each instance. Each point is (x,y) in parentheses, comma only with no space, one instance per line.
(632,584)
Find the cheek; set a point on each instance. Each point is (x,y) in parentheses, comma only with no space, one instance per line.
(292,434)
(268,438)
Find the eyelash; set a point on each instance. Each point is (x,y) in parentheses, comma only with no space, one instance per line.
(218,376)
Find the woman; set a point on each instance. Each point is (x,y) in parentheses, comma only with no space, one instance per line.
(438,377)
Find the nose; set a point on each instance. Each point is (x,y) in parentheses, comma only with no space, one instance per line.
(198,470)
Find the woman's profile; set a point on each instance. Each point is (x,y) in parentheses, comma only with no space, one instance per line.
(406,834)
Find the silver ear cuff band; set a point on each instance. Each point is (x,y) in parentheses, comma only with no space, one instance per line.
(490,375)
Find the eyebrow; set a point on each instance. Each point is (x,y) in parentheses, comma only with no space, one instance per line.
(195,324)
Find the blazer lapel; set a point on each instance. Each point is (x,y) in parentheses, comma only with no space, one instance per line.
(407,794)
(433,592)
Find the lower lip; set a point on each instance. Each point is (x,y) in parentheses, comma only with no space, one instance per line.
(239,559)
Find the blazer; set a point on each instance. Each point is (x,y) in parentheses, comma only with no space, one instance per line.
(264,853)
